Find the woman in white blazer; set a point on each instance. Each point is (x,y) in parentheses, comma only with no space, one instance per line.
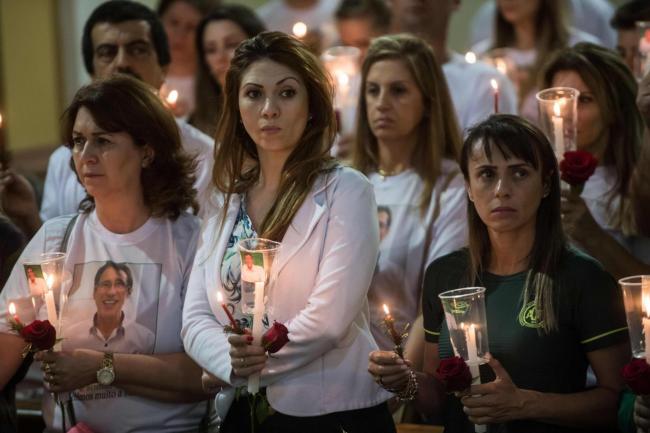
(277,180)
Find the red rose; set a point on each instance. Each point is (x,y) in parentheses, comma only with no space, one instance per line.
(636,374)
(40,334)
(275,338)
(577,167)
(455,373)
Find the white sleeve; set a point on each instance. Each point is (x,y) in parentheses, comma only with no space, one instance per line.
(450,228)
(50,206)
(203,337)
(345,271)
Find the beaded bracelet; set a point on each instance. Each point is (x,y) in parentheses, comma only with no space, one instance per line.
(408,393)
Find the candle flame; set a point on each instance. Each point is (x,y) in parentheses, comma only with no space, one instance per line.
(386,310)
(494,84)
(33,303)
(172,97)
(556,109)
(0,120)
(501,66)
(49,280)
(219,297)
(342,78)
(646,304)
(12,309)
(470,57)
(299,29)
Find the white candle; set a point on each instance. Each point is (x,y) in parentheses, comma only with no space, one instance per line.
(258,331)
(558,129)
(473,361)
(49,301)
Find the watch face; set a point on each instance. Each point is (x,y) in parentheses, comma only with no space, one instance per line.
(105,376)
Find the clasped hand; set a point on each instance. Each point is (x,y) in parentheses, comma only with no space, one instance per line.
(246,358)
(495,402)
(389,370)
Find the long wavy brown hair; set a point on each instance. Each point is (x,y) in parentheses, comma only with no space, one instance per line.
(438,131)
(236,153)
(614,87)
(124,104)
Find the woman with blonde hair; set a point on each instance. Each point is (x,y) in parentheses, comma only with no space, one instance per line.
(278,181)
(601,219)
(407,145)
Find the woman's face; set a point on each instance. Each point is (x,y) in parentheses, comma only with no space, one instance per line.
(180,21)
(516,11)
(394,103)
(107,163)
(274,106)
(590,131)
(220,38)
(506,192)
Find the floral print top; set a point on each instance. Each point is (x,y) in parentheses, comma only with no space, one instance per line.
(231,265)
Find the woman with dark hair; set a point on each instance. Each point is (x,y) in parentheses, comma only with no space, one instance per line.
(127,154)
(180,19)
(551,310)
(529,31)
(601,219)
(277,181)
(408,142)
(217,36)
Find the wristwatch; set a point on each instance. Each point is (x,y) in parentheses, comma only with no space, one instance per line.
(106,373)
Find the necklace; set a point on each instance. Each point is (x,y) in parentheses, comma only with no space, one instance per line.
(388,173)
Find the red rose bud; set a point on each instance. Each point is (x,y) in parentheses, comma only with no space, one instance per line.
(455,373)
(577,167)
(40,334)
(275,337)
(636,374)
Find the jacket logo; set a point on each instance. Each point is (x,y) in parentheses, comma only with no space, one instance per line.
(459,307)
(528,316)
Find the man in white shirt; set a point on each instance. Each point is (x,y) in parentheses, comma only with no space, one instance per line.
(123,37)
(469,83)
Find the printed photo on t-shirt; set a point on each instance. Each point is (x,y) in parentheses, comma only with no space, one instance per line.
(112,307)
(35,279)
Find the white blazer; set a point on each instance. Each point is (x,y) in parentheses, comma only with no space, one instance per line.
(325,266)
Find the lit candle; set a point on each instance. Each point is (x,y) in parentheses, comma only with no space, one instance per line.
(172,98)
(472,350)
(390,325)
(299,30)
(257,331)
(12,312)
(495,88)
(558,128)
(49,301)
(233,322)
(470,57)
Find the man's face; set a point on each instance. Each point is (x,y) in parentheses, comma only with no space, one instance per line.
(248,260)
(126,48)
(627,45)
(421,16)
(111,292)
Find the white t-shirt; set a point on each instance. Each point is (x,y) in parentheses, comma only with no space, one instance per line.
(471,92)
(278,15)
(596,196)
(159,257)
(590,16)
(410,241)
(62,192)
